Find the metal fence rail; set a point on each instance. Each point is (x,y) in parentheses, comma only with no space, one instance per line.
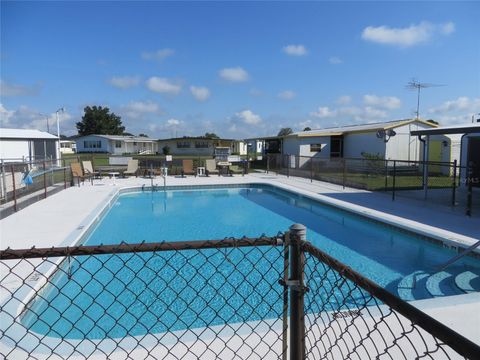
(439,182)
(263,298)
(24,182)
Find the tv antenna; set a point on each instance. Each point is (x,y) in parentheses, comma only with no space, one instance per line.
(418,86)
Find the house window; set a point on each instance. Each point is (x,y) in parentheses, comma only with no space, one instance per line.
(118,144)
(336,146)
(315,147)
(183,144)
(201,144)
(92,144)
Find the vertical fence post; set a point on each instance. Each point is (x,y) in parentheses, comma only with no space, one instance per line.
(297,316)
(64,174)
(14,189)
(454,185)
(311,169)
(393,180)
(288,165)
(469,187)
(286,261)
(344,174)
(4,181)
(268,163)
(44,180)
(386,175)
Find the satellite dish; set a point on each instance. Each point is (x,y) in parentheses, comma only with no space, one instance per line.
(391,132)
(381,134)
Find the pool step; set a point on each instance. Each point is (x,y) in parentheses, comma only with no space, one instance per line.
(413,286)
(443,283)
(468,281)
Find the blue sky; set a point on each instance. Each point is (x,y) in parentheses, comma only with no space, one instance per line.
(237,69)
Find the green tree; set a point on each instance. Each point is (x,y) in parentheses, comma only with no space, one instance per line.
(143,135)
(99,120)
(307,129)
(285,131)
(166,150)
(212,135)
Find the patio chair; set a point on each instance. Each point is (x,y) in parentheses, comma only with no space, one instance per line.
(187,168)
(237,170)
(211,167)
(132,168)
(88,169)
(78,173)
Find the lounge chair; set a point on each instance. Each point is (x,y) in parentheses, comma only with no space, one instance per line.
(78,173)
(88,169)
(187,168)
(132,168)
(211,167)
(234,169)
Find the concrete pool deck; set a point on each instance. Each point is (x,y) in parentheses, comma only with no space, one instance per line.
(61,219)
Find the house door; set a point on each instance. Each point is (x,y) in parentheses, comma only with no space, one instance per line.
(473,156)
(435,154)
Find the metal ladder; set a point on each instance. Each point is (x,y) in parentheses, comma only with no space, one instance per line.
(459,256)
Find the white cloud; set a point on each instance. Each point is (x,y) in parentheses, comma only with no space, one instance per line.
(236,74)
(27,118)
(163,86)
(386,102)
(463,103)
(173,122)
(137,109)
(295,50)
(9,89)
(158,55)
(344,100)
(408,36)
(349,113)
(334,60)
(323,112)
(200,93)
(124,82)
(287,95)
(248,117)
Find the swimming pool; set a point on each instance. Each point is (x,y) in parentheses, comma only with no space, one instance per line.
(99,305)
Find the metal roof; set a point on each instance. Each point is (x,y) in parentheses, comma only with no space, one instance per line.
(457,129)
(26,134)
(359,128)
(126,138)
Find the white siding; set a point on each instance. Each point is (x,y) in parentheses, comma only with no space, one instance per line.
(14,149)
(356,144)
(404,146)
(301,146)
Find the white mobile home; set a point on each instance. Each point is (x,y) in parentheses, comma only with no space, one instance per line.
(116,144)
(193,146)
(388,140)
(28,145)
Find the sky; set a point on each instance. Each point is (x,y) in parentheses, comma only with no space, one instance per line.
(239,69)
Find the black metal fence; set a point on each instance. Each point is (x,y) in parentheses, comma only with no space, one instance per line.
(22,183)
(439,182)
(264,298)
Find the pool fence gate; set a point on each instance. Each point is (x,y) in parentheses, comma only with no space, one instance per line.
(277,297)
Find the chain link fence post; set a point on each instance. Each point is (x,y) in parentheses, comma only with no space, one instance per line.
(469,188)
(14,189)
(44,180)
(297,316)
(393,180)
(454,185)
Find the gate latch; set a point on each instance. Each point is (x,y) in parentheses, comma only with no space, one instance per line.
(294,285)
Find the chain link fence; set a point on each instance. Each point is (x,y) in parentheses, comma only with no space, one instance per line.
(263,298)
(437,182)
(24,182)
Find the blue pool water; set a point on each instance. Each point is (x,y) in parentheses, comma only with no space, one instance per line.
(116,296)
